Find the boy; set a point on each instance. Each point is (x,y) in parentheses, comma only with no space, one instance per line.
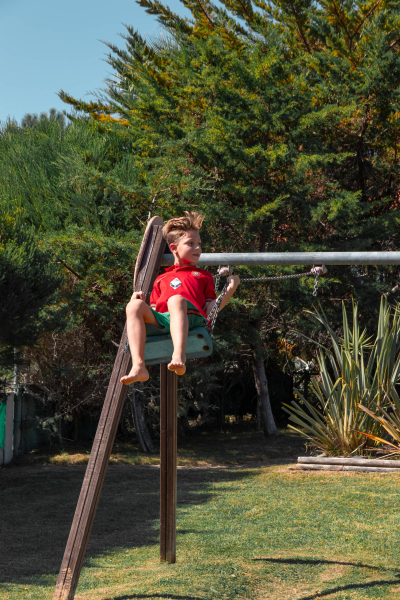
(181,299)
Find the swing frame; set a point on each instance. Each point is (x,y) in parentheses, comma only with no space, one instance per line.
(151,257)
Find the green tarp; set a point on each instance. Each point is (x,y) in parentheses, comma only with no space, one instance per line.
(3,406)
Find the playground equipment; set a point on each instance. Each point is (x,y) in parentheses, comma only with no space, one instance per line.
(150,258)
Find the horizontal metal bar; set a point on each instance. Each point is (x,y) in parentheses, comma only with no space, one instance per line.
(295,258)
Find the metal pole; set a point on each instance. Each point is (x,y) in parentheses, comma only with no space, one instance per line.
(294,258)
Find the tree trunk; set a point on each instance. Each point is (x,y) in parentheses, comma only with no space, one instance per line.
(260,379)
(139,422)
(260,420)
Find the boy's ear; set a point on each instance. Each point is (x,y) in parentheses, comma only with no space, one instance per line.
(173,247)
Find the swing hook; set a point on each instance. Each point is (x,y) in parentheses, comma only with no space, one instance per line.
(222,272)
(317,271)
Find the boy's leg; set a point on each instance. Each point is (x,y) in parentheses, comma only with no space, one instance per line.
(179,326)
(137,314)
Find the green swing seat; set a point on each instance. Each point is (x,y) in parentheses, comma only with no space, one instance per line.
(158,348)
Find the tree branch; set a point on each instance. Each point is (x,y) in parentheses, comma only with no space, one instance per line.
(300,28)
(64,264)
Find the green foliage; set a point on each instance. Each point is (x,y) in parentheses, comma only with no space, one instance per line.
(385,408)
(28,286)
(42,122)
(356,372)
(55,177)
(58,184)
(60,181)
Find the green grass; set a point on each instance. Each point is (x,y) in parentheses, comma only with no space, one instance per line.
(252,533)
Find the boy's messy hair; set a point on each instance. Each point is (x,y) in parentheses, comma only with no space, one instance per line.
(176,228)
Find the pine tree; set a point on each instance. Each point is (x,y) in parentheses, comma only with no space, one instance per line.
(65,190)
(279,120)
(28,286)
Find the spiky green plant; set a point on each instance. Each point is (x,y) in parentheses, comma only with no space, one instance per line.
(356,380)
(388,415)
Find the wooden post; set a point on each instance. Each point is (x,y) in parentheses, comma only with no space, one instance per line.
(147,267)
(168,462)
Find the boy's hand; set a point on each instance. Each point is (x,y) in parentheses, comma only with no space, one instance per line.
(233,281)
(138,296)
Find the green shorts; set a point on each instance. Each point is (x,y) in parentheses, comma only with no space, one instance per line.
(164,320)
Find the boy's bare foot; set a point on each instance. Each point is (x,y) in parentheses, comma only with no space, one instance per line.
(177,364)
(137,373)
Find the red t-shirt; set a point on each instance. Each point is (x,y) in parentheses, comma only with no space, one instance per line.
(193,284)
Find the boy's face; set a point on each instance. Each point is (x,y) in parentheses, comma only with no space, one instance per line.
(188,248)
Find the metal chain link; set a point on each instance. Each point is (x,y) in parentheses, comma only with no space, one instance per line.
(315,292)
(217,277)
(277,277)
(212,317)
(271,278)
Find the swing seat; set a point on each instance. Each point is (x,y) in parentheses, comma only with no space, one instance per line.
(158,348)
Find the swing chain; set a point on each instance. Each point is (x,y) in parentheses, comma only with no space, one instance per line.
(217,278)
(277,277)
(212,317)
(317,274)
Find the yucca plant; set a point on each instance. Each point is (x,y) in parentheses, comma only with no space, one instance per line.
(356,381)
(387,413)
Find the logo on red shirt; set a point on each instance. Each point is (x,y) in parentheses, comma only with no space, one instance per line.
(196,273)
(175,283)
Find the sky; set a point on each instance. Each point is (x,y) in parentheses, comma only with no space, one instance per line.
(48,46)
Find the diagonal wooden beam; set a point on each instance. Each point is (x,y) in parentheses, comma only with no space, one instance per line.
(94,477)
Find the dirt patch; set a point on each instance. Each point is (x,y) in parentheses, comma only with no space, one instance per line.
(282,591)
(333,573)
(395,590)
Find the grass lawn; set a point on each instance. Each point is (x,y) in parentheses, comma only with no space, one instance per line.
(250,532)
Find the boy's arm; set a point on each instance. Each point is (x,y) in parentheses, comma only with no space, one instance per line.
(233,281)
(155,294)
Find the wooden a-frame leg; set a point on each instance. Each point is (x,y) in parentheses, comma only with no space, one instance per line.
(168,462)
(94,477)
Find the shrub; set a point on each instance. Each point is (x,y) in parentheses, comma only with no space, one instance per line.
(356,379)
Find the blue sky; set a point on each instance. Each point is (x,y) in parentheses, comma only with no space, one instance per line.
(48,46)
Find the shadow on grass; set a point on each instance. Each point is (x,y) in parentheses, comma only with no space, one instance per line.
(352,586)
(141,596)
(319,561)
(38,504)
(242,447)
